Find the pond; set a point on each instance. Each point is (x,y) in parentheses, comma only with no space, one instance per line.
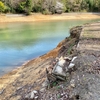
(20,42)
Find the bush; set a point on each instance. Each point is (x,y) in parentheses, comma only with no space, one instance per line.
(37,6)
(2,7)
(21,7)
(7,9)
(28,6)
(46,12)
(24,7)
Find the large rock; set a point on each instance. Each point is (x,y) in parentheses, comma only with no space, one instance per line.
(53,6)
(59,8)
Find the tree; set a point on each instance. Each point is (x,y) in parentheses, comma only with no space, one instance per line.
(28,6)
(25,7)
(2,7)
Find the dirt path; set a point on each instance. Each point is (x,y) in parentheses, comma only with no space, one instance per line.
(87,76)
(40,17)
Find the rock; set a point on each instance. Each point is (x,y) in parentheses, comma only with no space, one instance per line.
(49,69)
(35,91)
(60,78)
(66,69)
(36,98)
(58,69)
(61,62)
(73,85)
(27,96)
(68,58)
(32,95)
(1,91)
(71,65)
(45,83)
(19,88)
(73,59)
(59,7)
(42,90)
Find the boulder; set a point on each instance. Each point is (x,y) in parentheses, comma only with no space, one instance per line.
(59,7)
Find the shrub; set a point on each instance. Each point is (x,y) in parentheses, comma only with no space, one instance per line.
(37,7)
(7,9)
(46,12)
(28,6)
(2,7)
(24,7)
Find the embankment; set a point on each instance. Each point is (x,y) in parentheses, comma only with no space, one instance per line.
(32,74)
(81,83)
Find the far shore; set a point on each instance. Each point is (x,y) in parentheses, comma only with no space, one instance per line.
(40,17)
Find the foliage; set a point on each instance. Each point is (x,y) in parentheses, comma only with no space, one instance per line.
(24,7)
(82,5)
(37,6)
(21,7)
(46,12)
(48,6)
(28,6)
(7,9)
(2,7)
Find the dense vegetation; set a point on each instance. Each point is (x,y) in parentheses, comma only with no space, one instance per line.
(49,6)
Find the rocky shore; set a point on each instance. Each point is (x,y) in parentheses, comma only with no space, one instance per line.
(68,72)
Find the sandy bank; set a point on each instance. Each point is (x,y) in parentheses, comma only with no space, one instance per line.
(40,17)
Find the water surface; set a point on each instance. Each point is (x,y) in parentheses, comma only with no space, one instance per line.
(20,42)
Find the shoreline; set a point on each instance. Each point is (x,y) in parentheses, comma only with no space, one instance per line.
(40,17)
(20,83)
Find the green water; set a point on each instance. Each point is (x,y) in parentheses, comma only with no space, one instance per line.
(20,42)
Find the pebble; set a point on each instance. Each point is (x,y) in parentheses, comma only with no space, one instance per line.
(1,91)
(32,95)
(61,62)
(42,90)
(45,84)
(35,91)
(59,70)
(67,58)
(36,98)
(71,65)
(73,59)
(73,85)
(28,96)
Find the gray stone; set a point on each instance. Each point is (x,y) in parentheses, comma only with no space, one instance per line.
(32,95)
(35,91)
(42,90)
(61,62)
(28,96)
(59,71)
(1,91)
(71,65)
(45,83)
(59,7)
(36,98)
(73,59)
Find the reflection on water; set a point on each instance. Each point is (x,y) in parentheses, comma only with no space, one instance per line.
(20,42)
